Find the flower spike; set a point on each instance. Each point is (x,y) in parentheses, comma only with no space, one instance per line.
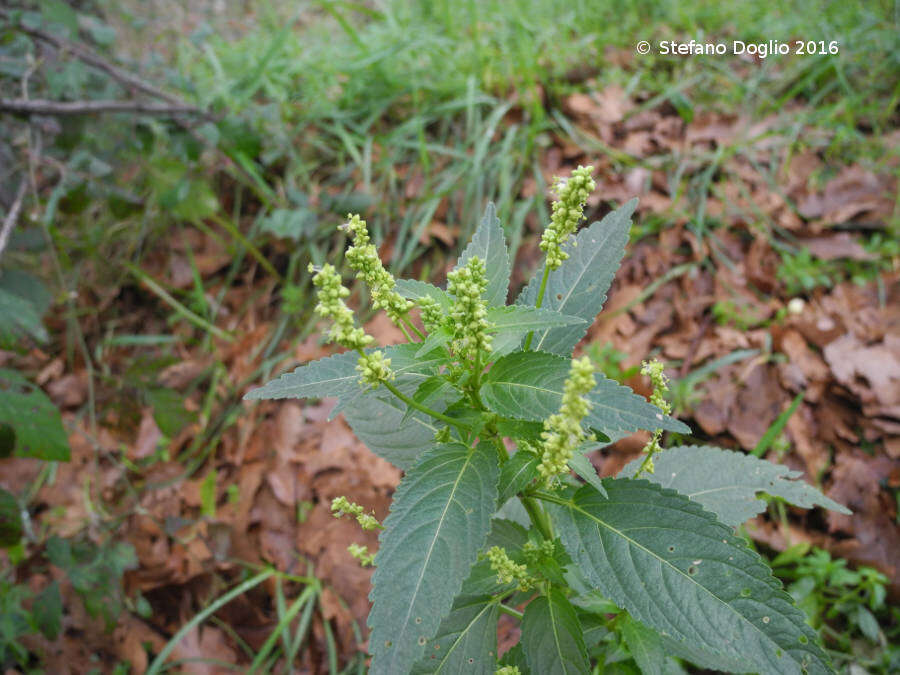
(568,210)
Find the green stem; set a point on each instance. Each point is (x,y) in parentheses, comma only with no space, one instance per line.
(405,332)
(646,461)
(547,497)
(538,517)
(423,408)
(415,330)
(509,610)
(540,301)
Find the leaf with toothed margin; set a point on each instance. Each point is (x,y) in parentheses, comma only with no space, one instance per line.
(727,482)
(552,636)
(439,520)
(578,287)
(489,244)
(529,385)
(388,429)
(677,569)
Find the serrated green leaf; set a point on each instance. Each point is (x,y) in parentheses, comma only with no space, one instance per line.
(552,637)
(378,421)
(520,319)
(517,473)
(10,519)
(466,641)
(37,424)
(412,289)
(489,244)
(47,611)
(645,645)
(582,466)
(674,567)
(507,534)
(439,519)
(529,385)
(727,482)
(337,375)
(578,287)
(527,429)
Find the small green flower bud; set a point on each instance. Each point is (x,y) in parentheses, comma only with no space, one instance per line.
(562,431)
(509,571)
(568,210)
(331,305)
(467,315)
(432,316)
(374,369)
(660,382)
(362,554)
(363,257)
(341,506)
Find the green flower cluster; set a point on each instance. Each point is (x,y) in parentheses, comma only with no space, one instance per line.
(467,284)
(568,210)
(362,554)
(331,305)
(660,383)
(432,316)
(509,571)
(508,670)
(363,257)
(374,369)
(341,506)
(562,431)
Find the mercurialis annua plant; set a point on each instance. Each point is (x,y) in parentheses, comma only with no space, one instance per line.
(491,419)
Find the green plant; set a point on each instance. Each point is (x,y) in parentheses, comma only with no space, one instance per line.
(843,604)
(647,560)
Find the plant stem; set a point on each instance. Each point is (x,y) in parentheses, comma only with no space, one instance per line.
(423,408)
(547,497)
(509,610)
(415,330)
(538,517)
(540,301)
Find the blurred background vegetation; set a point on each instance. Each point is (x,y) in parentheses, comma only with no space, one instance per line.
(241,133)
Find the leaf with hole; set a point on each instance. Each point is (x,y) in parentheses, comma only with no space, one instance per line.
(677,569)
(441,511)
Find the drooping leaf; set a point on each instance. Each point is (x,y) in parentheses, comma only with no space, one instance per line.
(529,385)
(727,482)
(10,519)
(439,520)
(516,473)
(34,419)
(466,641)
(552,637)
(581,465)
(677,569)
(578,287)
(489,244)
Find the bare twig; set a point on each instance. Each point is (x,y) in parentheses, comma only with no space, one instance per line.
(92,58)
(45,107)
(10,221)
